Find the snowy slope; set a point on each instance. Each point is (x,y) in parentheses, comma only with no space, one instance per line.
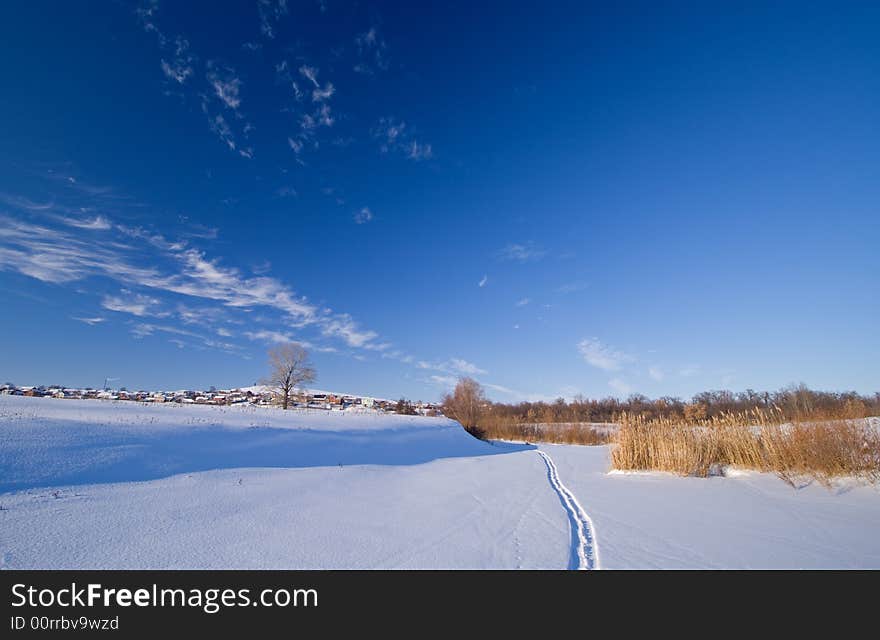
(48,441)
(92,484)
(100,484)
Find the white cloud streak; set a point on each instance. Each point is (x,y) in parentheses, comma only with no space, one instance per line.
(499,388)
(57,256)
(419,151)
(444,381)
(521,252)
(270,13)
(97,223)
(393,135)
(319,95)
(282,337)
(371,52)
(311,73)
(363,216)
(457,366)
(602,356)
(135,304)
(227,87)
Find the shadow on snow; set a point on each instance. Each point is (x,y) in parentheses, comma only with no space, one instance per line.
(75,453)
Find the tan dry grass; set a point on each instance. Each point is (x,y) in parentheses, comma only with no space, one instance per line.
(569,434)
(756,440)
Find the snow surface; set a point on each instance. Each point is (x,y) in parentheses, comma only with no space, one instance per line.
(744,520)
(99,484)
(92,484)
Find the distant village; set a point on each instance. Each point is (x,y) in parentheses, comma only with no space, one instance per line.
(257,395)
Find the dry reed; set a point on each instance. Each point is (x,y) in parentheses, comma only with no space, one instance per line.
(562,434)
(757,440)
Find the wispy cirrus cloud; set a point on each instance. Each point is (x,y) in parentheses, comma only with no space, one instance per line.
(151,264)
(419,151)
(225,96)
(135,304)
(310,73)
(176,71)
(448,382)
(286,192)
(96,223)
(324,93)
(226,85)
(444,381)
(343,326)
(146,13)
(284,76)
(372,52)
(208,316)
(522,302)
(144,329)
(499,388)
(219,92)
(396,354)
(601,355)
(220,126)
(320,114)
(457,366)
(296,145)
(310,122)
(25,204)
(275,337)
(284,337)
(270,13)
(514,252)
(140,330)
(90,321)
(483,281)
(179,66)
(319,93)
(363,216)
(177,61)
(394,136)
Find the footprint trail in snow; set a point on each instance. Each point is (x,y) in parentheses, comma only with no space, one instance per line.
(585,552)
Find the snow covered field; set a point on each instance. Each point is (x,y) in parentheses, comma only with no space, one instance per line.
(96,484)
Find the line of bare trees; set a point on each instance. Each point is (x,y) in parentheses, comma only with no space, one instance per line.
(468,404)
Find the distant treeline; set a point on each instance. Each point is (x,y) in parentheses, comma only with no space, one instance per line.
(795,403)
(794,431)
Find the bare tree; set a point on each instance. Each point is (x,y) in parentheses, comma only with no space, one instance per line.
(289,367)
(466,404)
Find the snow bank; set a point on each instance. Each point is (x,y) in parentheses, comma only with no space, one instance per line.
(50,442)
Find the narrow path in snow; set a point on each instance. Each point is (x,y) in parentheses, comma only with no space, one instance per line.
(584,550)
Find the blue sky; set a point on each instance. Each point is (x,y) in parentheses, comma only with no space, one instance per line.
(552,198)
